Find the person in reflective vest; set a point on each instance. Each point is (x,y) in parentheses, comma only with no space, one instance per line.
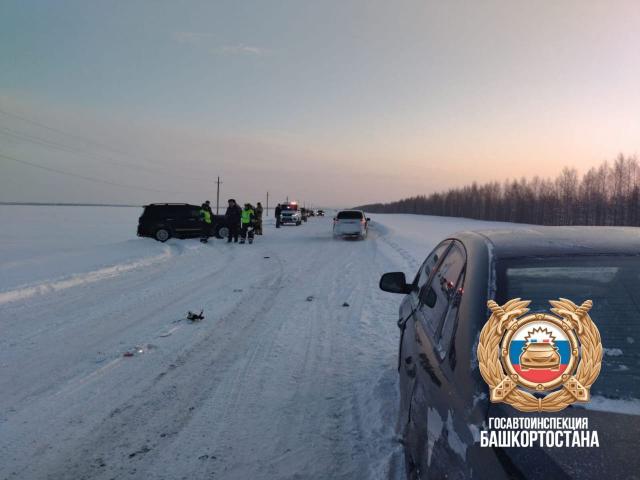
(207,223)
(246,221)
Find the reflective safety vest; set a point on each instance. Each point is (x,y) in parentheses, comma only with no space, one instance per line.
(246,216)
(205,215)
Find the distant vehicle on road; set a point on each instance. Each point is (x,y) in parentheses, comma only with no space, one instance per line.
(163,221)
(320,213)
(350,223)
(290,214)
(443,398)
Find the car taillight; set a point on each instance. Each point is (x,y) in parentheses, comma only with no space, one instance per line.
(363,221)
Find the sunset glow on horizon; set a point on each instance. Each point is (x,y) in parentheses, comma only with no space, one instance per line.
(337,103)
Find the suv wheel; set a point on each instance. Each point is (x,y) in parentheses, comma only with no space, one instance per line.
(162,235)
(223,232)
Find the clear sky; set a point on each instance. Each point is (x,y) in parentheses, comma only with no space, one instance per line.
(333,102)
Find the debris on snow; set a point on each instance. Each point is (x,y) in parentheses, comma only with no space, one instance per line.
(195,317)
(143,450)
(138,350)
(310,298)
(345,304)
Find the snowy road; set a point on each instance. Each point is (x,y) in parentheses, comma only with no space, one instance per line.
(269,385)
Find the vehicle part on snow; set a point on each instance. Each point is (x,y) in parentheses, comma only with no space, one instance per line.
(195,317)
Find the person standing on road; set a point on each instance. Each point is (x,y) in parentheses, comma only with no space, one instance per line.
(258,228)
(277,212)
(247,219)
(232,216)
(207,224)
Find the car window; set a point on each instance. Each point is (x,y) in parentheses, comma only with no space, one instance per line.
(449,323)
(435,297)
(429,264)
(610,282)
(350,215)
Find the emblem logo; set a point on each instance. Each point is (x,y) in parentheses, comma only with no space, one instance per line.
(553,359)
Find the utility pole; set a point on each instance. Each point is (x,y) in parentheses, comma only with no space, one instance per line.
(218,196)
(267,204)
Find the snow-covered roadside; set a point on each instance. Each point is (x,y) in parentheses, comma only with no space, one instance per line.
(412,237)
(269,385)
(41,246)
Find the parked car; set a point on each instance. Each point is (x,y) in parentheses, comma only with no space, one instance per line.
(320,213)
(181,220)
(350,223)
(290,214)
(443,398)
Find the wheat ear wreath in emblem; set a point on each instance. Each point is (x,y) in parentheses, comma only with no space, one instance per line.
(503,387)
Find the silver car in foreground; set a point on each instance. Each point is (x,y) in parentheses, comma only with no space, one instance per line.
(350,223)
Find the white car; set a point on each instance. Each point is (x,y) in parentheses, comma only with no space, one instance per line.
(290,214)
(350,223)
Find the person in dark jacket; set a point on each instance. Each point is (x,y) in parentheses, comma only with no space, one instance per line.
(258,221)
(277,212)
(232,216)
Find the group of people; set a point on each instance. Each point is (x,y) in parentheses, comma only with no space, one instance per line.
(242,223)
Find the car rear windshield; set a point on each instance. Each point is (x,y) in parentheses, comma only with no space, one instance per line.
(168,211)
(611,282)
(350,215)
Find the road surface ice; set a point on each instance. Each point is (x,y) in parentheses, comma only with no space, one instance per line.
(280,380)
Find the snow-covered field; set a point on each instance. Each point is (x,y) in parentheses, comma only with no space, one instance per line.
(269,385)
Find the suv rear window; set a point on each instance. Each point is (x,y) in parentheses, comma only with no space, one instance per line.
(350,215)
(611,282)
(166,211)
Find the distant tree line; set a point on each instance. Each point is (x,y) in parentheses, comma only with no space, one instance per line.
(606,195)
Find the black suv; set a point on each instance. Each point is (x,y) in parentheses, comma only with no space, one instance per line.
(181,220)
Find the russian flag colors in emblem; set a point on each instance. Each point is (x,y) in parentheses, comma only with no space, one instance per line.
(539,352)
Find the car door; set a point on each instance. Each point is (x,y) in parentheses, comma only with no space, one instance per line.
(433,401)
(187,221)
(406,355)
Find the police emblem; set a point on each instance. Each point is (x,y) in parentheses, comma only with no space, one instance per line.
(553,359)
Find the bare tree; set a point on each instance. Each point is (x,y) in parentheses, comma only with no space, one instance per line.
(607,195)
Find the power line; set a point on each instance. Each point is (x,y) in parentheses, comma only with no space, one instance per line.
(34,139)
(83,177)
(71,149)
(47,127)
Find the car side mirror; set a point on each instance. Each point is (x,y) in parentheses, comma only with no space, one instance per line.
(368,219)
(394,282)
